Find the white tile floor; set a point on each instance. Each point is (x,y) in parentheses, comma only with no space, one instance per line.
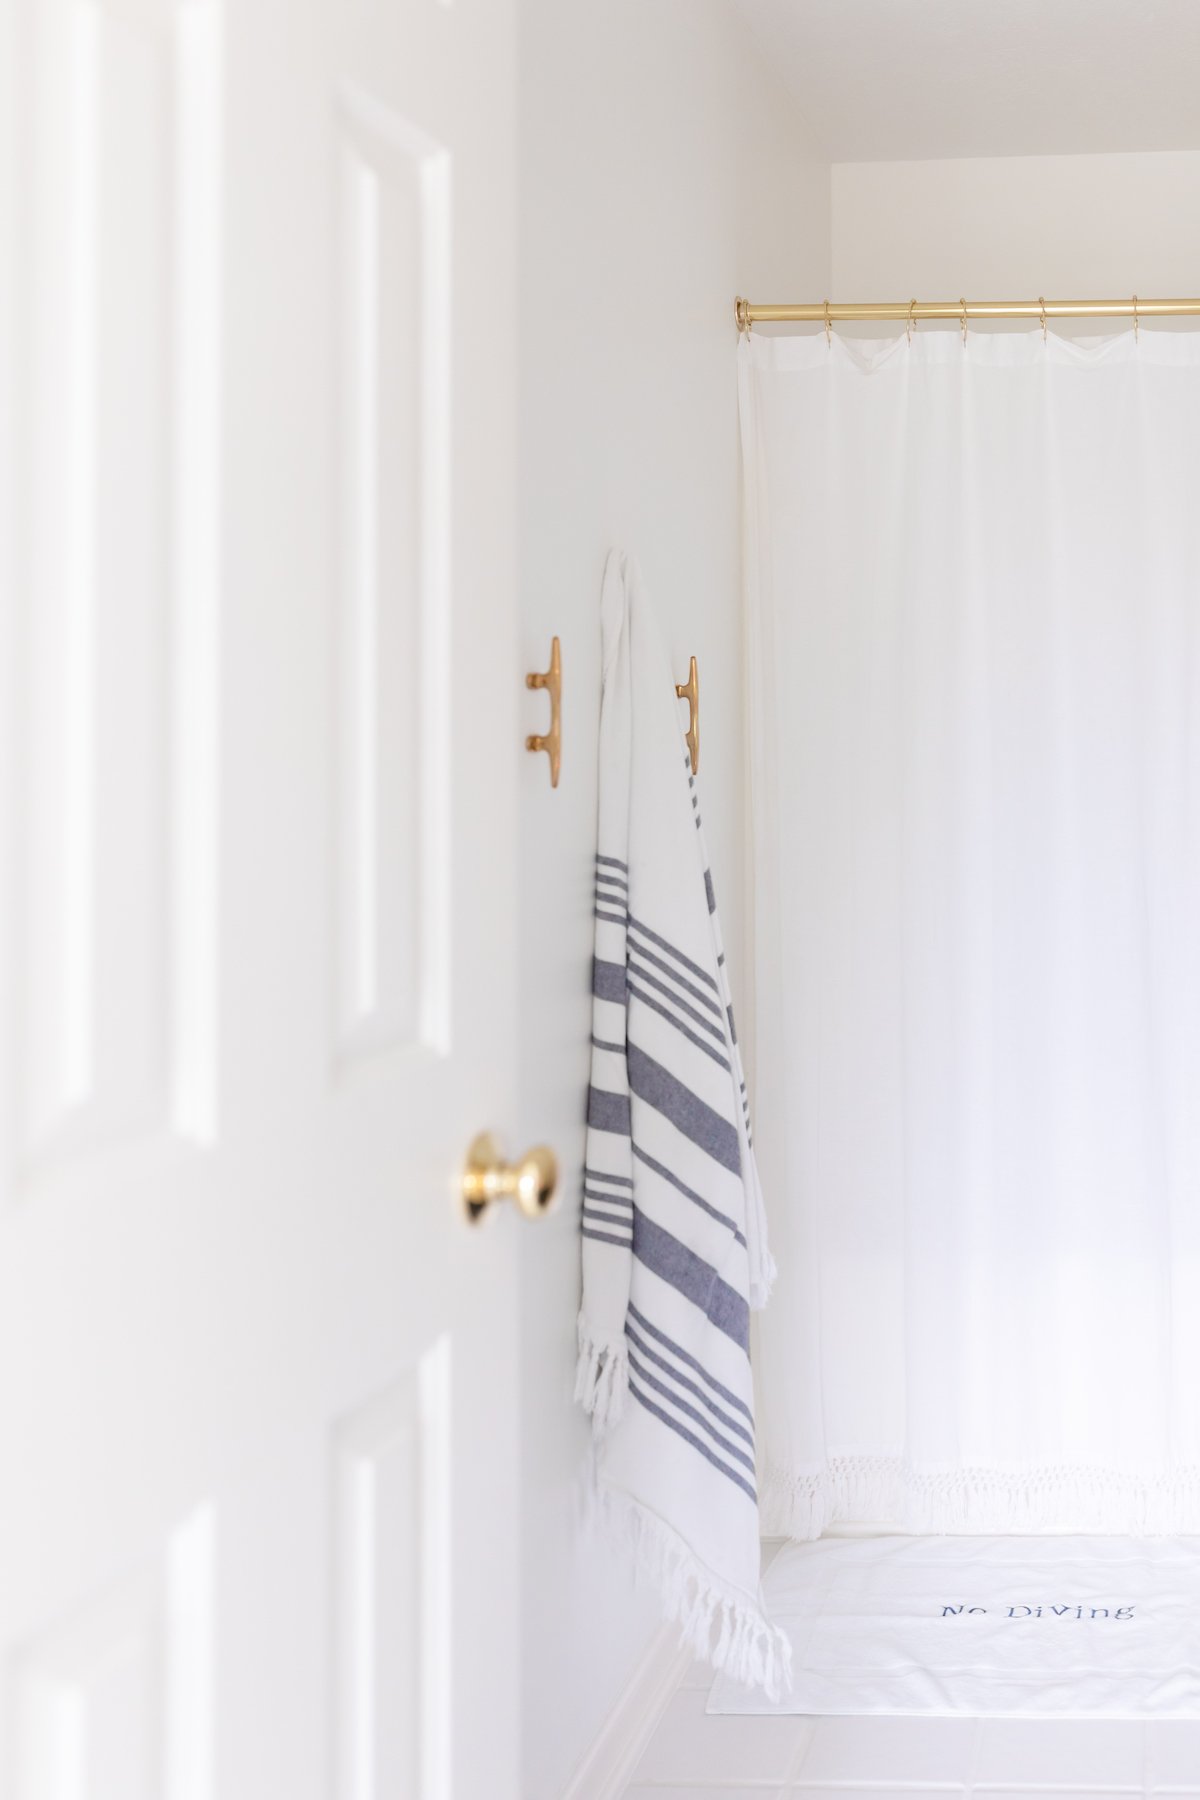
(693,1757)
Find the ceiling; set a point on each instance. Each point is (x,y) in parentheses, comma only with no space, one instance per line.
(894,80)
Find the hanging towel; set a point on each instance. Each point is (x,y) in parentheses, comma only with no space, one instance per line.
(674,1241)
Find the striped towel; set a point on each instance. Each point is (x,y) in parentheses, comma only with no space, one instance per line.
(674,1242)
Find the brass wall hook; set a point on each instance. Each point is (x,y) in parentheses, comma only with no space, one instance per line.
(690,691)
(551,741)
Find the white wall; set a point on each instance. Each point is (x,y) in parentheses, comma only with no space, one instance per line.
(662,171)
(1069,227)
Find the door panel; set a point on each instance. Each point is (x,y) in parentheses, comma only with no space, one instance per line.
(258,708)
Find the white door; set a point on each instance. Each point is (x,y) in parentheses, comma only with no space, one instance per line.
(258,755)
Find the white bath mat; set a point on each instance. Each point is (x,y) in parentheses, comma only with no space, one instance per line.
(1004,1627)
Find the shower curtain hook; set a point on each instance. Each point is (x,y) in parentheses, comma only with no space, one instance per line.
(908,329)
(1135,319)
(1042,304)
(963,304)
(828,327)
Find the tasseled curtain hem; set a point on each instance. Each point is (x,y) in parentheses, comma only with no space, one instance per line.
(882,1491)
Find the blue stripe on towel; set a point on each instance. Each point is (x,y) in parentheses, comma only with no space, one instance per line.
(690,1438)
(686,1111)
(608,1112)
(686,1357)
(692,1277)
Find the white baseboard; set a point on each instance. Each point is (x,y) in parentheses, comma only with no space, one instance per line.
(606,1769)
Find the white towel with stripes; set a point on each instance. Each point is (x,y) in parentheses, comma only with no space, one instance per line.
(674,1241)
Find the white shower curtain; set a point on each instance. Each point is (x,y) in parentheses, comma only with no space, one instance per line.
(974,685)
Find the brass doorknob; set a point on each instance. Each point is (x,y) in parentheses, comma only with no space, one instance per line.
(487,1177)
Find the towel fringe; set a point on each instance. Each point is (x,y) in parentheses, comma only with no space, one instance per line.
(885,1491)
(717,1622)
(601,1378)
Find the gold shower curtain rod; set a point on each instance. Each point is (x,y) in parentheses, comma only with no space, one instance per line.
(911,312)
